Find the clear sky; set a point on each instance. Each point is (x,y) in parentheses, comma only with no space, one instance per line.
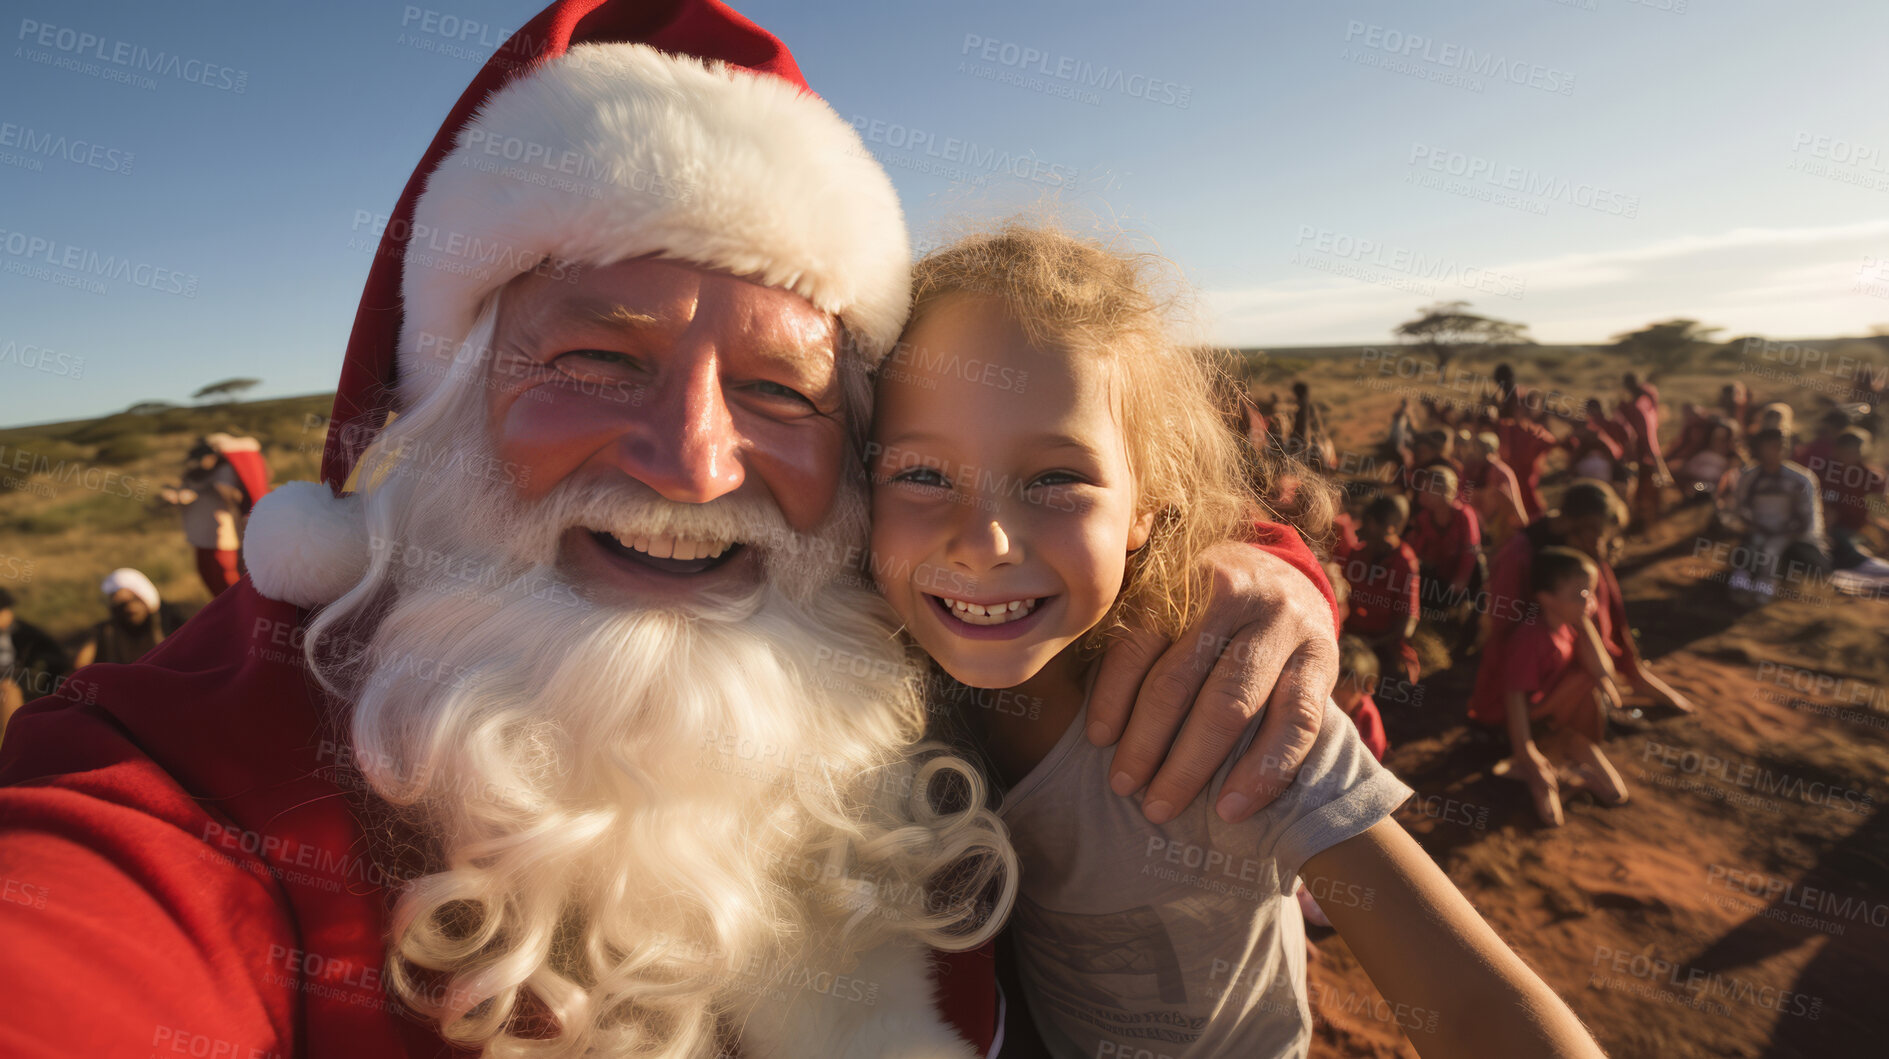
(1319,170)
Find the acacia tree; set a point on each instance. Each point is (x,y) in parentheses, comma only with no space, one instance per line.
(1447,329)
(1662,347)
(227,389)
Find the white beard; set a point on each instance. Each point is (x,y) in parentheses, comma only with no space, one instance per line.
(655,826)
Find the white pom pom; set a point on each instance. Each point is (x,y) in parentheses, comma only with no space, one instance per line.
(304,545)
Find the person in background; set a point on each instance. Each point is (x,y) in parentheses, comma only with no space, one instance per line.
(1588,518)
(1778,504)
(1308,442)
(1695,428)
(1641,412)
(139,621)
(1848,483)
(1524,442)
(1734,400)
(1447,539)
(212,498)
(1384,590)
(1597,446)
(31,662)
(1358,675)
(1775,416)
(1815,453)
(1557,685)
(1430,448)
(1491,488)
(1707,472)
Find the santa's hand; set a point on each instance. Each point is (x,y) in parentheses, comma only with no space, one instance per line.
(1265,640)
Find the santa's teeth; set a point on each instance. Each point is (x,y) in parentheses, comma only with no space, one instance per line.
(989,613)
(670,547)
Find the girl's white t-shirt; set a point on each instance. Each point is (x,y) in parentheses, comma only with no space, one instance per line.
(1138,941)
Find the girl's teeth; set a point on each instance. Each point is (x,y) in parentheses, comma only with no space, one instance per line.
(989,613)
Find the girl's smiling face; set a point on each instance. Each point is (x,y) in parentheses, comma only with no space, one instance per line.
(1003,506)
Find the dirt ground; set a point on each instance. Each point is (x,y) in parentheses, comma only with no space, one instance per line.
(1738,906)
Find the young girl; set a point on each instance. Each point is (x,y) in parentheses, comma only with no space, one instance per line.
(1046,462)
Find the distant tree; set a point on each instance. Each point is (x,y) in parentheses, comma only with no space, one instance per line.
(150,408)
(227,389)
(1447,329)
(1664,346)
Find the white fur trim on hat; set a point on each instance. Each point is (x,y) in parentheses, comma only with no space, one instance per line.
(616,151)
(304,545)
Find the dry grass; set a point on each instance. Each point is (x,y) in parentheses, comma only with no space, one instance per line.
(79,499)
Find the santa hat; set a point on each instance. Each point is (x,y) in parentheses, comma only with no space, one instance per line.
(610,129)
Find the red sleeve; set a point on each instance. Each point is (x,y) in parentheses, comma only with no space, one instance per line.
(1371,727)
(1468,534)
(1522,668)
(1285,543)
(1508,584)
(1408,559)
(126,933)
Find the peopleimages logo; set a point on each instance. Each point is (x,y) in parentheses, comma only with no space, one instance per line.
(1463,62)
(33,144)
(1074,73)
(38,249)
(67,47)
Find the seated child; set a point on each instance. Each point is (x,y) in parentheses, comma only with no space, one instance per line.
(1557,683)
(1848,483)
(1446,536)
(1708,471)
(1384,586)
(1491,488)
(1014,529)
(1357,679)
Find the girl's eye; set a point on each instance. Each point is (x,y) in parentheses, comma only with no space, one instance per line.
(1050,478)
(927,476)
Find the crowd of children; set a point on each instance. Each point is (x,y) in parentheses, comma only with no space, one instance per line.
(1456,556)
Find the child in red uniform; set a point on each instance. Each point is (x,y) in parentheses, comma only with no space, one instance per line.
(1383,583)
(1641,412)
(1558,679)
(1490,486)
(1446,536)
(1847,483)
(1524,443)
(1357,677)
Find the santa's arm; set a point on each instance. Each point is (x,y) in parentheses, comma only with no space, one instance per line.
(1267,642)
(106,958)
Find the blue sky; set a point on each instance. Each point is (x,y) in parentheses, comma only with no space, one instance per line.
(1582,167)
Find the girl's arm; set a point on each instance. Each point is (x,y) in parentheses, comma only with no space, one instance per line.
(1425,947)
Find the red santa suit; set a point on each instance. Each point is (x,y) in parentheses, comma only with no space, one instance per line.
(190,861)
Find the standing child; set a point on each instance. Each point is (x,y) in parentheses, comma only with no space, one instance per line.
(1015,526)
(1557,680)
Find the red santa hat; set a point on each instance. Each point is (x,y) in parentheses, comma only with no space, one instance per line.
(610,129)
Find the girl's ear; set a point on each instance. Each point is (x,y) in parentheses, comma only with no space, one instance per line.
(1139,530)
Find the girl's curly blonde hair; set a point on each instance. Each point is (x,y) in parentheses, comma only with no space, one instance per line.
(1190,469)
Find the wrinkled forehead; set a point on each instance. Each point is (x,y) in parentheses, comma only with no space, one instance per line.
(647,290)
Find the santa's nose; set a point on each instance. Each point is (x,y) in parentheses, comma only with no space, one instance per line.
(684,443)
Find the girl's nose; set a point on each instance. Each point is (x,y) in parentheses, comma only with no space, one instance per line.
(982,544)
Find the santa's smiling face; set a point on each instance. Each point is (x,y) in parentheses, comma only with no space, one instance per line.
(697,386)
